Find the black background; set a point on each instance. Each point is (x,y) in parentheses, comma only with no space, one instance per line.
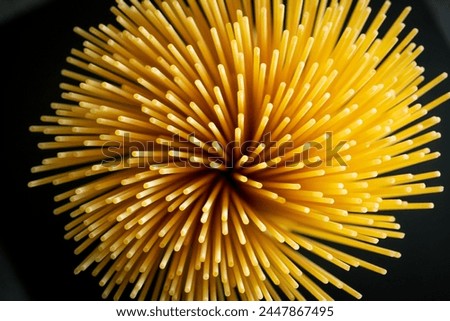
(36,263)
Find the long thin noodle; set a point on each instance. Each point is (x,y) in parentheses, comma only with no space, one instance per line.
(225,139)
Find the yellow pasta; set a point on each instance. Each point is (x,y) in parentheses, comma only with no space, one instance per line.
(216,142)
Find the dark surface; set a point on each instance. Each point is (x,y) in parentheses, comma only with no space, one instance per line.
(36,263)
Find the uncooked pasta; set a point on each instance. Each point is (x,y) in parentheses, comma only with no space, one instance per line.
(225,150)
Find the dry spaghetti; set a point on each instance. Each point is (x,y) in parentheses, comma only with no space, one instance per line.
(219,141)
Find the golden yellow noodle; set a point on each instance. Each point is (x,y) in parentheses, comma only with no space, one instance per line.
(219,141)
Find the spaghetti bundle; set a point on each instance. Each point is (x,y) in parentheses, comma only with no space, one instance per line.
(218,144)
